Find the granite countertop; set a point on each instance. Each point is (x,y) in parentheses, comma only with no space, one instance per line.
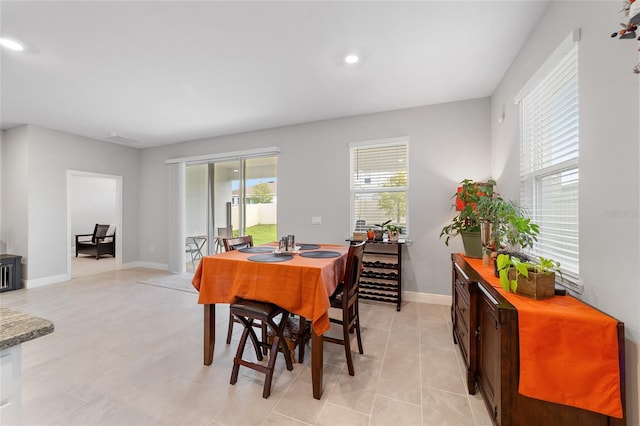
(18,327)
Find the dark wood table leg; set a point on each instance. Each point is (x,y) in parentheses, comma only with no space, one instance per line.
(209,332)
(316,364)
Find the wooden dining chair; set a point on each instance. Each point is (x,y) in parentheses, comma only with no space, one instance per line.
(237,243)
(246,312)
(346,298)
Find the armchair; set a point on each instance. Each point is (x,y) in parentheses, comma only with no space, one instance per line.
(100,243)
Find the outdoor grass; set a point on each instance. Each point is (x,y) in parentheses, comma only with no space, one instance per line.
(263,233)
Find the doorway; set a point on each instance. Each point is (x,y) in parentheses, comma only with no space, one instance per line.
(92,198)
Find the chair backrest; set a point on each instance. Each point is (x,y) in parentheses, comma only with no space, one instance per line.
(99,232)
(237,243)
(352,271)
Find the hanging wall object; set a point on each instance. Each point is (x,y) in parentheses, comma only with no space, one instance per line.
(629,29)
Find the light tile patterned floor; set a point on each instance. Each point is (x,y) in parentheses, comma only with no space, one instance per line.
(125,353)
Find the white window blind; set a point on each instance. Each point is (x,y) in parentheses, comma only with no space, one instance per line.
(379,183)
(549,174)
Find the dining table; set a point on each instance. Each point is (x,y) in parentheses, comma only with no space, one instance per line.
(299,281)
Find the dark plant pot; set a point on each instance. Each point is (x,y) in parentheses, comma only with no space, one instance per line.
(377,235)
(472,244)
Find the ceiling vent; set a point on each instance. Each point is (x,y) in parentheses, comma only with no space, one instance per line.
(116,138)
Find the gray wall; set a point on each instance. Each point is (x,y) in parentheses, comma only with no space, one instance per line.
(35,221)
(609,157)
(448,143)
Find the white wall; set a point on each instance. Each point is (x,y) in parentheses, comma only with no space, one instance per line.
(448,143)
(3,247)
(609,153)
(91,200)
(37,159)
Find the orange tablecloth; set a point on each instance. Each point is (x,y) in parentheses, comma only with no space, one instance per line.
(300,285)
(568,350)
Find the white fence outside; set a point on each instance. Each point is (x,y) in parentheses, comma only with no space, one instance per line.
(256,214)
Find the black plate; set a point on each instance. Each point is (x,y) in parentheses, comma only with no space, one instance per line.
(257,250)
(270,258)
(309,246)
(321,254)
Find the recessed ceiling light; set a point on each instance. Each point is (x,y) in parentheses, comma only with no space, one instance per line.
(11,44)
(351,58)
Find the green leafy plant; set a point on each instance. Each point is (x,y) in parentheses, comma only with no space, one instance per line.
(474,196)
(505,263)
(510,224)
(382,226)
(394,228)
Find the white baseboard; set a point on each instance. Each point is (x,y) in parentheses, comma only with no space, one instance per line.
(39,282)
(150,265)
(434,299)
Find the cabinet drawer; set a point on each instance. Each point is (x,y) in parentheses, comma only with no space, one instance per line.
(463,316)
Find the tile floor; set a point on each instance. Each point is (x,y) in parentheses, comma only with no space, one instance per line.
(125,353)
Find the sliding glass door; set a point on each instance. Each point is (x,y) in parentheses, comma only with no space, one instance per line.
(231,197)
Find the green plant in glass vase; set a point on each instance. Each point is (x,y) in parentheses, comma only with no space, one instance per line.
(510,224)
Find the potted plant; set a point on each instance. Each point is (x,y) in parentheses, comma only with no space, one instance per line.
(511,225)
(370,234)
(393,232)
(378,233)
(469,197)
(510,230)
(535,280)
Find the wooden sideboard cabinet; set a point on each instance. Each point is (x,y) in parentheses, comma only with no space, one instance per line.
(485,327)
(463,310)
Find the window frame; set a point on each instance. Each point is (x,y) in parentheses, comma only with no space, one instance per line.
(353,191)
(531,180)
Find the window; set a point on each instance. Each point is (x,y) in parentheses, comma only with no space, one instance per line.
(379,183)
(549,173)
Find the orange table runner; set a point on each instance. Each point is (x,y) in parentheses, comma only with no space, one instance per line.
(568,350)
(300,285)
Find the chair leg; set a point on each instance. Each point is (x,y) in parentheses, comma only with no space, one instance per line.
(347,346)
(230,330)
(238,357)
(301,336)
(266,391)
(265,349)
(248,325)
(358,334)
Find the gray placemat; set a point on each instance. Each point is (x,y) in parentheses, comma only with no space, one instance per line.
(257,250)
(320,254)
(309,246)
(270,258)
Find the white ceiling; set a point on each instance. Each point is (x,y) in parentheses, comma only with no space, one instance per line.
(168,71)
